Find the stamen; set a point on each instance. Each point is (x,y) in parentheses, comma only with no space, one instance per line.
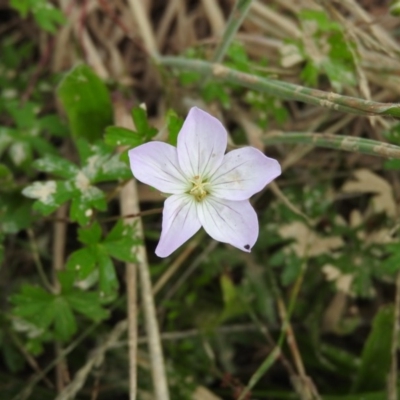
(199,188)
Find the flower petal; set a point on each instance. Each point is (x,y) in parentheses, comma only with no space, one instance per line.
(242,173)
(156,164)
(180,223)
(233,222)
(201,144)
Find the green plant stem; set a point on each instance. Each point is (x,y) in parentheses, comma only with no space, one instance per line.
(337,142)
(284,90)
(236,18)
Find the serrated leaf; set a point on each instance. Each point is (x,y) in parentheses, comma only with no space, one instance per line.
(57,166)
(66,279)
(174,126)
(91,234)
(48,17)
(100,164)
(118,136)
(108,282)
(87,103)
(50,195)
(64,320)
(34,304)
(82,262)
(87,303)
(121,242)
(43,310)
(82,205)
(144,130)
(113,169)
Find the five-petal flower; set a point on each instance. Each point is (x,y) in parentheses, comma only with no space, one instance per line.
(207,187)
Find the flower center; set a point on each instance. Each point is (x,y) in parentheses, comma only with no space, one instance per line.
(199,188)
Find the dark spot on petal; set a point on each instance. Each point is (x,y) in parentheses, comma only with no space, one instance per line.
(247,247)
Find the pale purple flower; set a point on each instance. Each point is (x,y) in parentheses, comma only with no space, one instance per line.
(207,187)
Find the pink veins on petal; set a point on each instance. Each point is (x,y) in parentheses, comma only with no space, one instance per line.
(209,188)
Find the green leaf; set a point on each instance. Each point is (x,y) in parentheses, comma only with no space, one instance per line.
(50,195)
(82,206)
(376,355)
(20,153)
(117,136)
(15,212)
(143,128)
(57,166)
(174,126)
(43,309)
(91,234)
(87,303)
(24,115)
(41,145)
(108,282)
(35,304)
(233,305)
(121,242)
(48,17)
(391,264)
(87,103)
(21,6)
(44,12)
(6,138)
(84,202)
(67,280)
(52,124)
(64,320)
(13,358)
(7,182)
(82,262)
(113,169)
(100,164)
(215,91)
(321,18)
